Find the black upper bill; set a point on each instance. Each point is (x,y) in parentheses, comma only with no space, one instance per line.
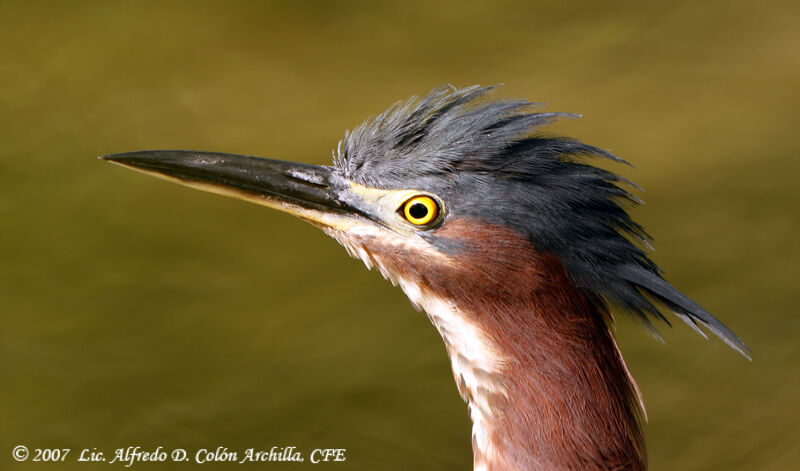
(308,186)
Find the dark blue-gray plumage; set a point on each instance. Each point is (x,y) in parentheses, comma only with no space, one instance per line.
(482,158)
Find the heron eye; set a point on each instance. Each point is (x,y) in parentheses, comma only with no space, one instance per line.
(421,210)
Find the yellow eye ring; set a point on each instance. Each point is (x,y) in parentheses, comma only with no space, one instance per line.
(421,210)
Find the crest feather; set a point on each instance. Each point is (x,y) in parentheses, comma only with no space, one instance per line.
(483,158)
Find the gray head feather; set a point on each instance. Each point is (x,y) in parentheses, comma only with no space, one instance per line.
(483,158)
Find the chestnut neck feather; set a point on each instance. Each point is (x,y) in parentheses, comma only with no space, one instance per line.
(570,402)
(561,397)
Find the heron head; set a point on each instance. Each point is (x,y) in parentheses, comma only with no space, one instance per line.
(455,188)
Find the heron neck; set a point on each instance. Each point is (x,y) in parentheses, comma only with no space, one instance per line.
(532,355)
(545,383)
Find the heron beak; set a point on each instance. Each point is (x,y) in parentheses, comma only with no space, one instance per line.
(310,192)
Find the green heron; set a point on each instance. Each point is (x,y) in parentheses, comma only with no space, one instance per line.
(514,247)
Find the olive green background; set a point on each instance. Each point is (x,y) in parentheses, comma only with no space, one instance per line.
(137,312)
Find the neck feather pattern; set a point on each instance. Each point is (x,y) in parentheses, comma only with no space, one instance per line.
(533,356)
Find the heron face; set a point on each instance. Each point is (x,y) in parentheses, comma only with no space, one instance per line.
(366,220)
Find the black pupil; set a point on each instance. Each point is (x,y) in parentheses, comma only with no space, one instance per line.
(418,210)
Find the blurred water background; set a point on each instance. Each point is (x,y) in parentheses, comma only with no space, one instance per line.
(137,312)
